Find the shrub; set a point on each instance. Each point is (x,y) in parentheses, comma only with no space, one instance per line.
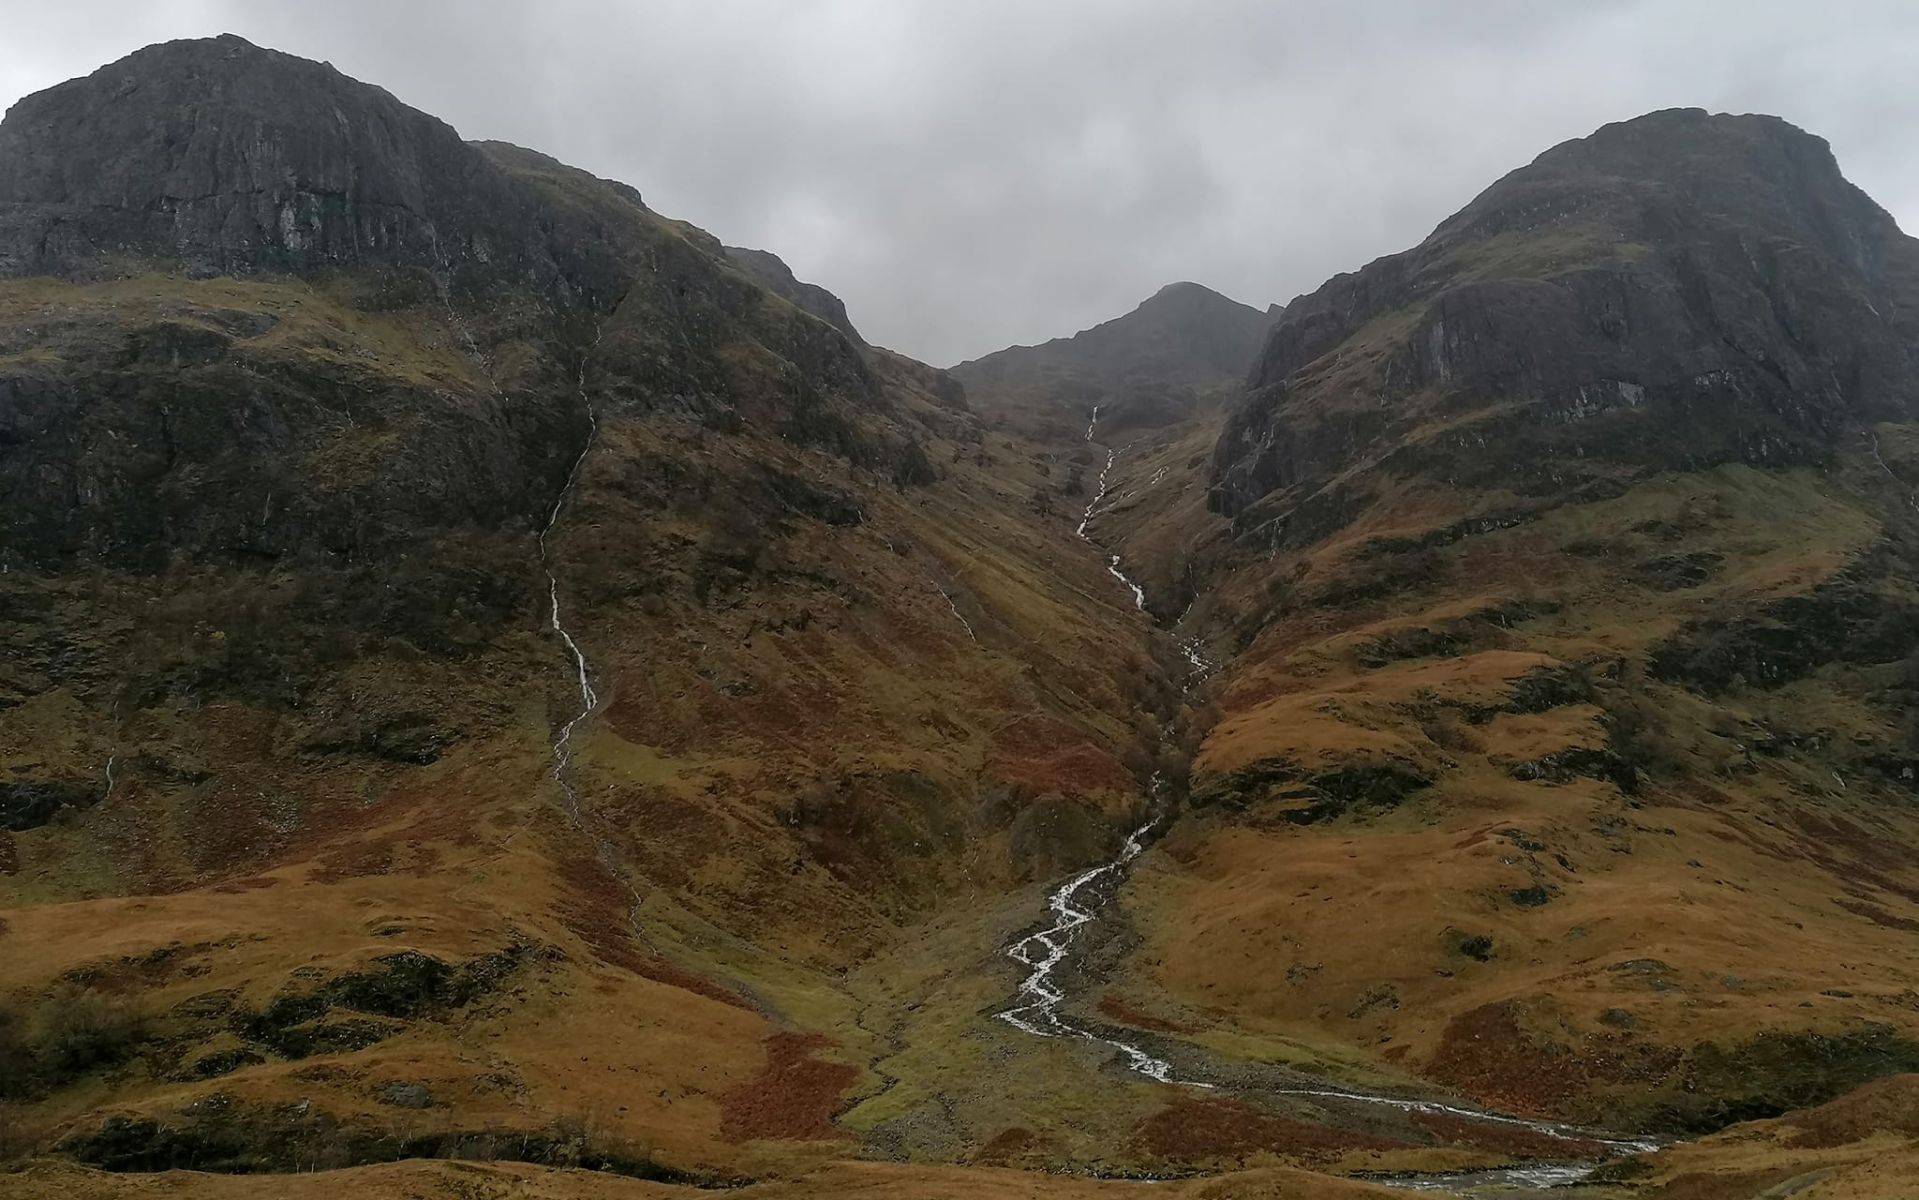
(71,1033)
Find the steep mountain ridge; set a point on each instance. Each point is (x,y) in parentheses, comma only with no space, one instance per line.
(234,158)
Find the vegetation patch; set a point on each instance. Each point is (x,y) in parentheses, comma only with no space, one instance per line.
(1591,762)
(89,1024)
(597,910)
(1126,1014)
(1194,1130)
(1499,1138)
(1777,1072)
(222,1135)
(1888,1106)
(794,1097)
(1546,688)
(1678,572)
(1491,1054)
(394,989)
(30,804)
(1476,946)
(1386,575)
(1724,1185)
(1301,799)
(1847,620)
(72,1033)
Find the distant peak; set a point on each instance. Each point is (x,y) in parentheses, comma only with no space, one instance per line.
(1185,295)
(1187,292)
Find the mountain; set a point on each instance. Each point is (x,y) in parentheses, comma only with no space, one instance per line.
(1671,293)
(1144,370)
(504,694)
(1564,566)
(479,650)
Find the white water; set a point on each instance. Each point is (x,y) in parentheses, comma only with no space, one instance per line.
(1046,950)
(1535,1175)
(1190,647)
(1100,493)
(1479,1115)
(1872,441)
(1041,995)
(1092,509)
(948,597)
(1139,593)
(589,699)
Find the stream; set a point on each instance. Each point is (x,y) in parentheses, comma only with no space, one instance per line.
(589,699)
(1079,901)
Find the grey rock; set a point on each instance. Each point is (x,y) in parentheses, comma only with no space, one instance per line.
(406,1095)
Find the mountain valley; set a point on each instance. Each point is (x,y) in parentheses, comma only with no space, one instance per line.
(506,695)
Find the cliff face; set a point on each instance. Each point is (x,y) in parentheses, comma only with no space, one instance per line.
(232,158)
(1672,292)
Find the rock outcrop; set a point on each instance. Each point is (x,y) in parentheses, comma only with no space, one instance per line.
(776,277)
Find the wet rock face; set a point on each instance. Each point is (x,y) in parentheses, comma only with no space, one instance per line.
(232,157)
(1670,293)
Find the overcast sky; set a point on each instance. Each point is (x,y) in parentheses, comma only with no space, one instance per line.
(975,173)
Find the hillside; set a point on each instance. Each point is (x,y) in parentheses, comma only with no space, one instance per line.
(474,647)
(1564,569)
(504,694)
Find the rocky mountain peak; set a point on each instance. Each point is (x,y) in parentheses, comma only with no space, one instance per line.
(1676,290)
(231,158)
(1752,170)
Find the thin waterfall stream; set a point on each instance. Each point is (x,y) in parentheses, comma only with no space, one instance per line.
(589,699)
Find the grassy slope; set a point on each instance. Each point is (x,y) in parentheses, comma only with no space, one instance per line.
(1526,942)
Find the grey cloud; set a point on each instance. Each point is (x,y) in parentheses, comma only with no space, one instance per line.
(969,175)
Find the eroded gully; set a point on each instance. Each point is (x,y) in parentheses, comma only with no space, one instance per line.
(1079,901)
(589,699)
(562,747)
